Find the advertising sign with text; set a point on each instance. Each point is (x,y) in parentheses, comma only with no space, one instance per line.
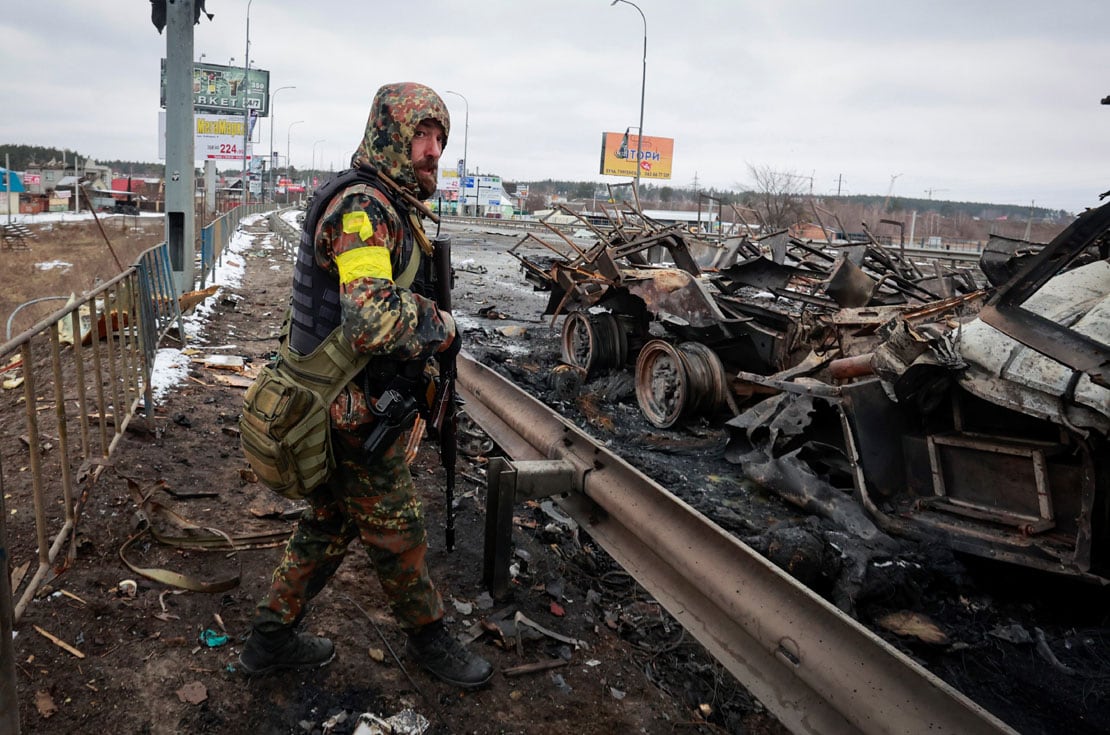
(219,137)
(218,88)
(619,156)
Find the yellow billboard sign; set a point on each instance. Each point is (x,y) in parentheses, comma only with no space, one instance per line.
(619,155)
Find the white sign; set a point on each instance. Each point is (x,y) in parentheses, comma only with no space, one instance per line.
(214,137)
(219,137)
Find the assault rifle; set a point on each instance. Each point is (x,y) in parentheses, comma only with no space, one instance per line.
(443,414)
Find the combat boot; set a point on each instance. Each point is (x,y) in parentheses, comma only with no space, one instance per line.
(438,653)
(284,649)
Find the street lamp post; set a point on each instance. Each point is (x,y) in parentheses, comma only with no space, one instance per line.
(314,155)
(246,108)
(288,160)
(643,85)
(466,136)
(273,119)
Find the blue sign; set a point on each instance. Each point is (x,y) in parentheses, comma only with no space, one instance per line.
(469,182)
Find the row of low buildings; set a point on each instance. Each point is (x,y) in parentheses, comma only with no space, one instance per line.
(52,187)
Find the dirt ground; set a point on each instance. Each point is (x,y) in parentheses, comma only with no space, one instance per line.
(155,661)
(146,669)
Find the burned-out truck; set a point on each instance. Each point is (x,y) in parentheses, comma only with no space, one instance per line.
(971,408)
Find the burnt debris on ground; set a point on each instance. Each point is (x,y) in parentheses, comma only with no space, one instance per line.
(917,412)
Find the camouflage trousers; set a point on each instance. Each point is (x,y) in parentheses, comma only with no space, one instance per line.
(376,503)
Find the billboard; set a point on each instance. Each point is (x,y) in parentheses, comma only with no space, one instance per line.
(219,88)
(215,137)
(619,155)
(219,137)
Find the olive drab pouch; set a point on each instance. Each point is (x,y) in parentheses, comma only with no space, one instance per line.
(285,430)
(285,433)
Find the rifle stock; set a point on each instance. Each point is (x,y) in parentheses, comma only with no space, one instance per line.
(443,419)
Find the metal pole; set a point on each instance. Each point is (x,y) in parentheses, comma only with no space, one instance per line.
(273,119)
(180,174)
(466,138)
(322,140)
(246,109)
(288,160)
(643,86)
(8,185)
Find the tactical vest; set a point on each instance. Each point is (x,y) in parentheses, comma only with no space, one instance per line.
(314,308)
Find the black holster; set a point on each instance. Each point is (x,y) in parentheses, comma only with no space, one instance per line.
(394,412)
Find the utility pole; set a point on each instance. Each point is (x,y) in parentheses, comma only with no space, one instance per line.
(643,87)
(180,163)
(246,109)
(839,181)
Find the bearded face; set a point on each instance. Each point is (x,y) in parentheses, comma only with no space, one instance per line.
(427,146)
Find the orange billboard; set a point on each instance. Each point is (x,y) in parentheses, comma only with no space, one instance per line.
(619,155)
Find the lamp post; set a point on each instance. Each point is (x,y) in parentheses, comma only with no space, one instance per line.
(288,160)
(643,85)
(314,155)
(273,119)
(246,109)
(466,136)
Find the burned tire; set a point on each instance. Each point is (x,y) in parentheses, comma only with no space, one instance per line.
(679,382)
(596,343)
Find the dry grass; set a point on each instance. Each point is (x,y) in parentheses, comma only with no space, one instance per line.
(68,258)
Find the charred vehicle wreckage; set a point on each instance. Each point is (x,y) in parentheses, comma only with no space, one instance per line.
(964,404)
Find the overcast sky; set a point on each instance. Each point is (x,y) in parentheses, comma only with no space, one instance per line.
(973,100)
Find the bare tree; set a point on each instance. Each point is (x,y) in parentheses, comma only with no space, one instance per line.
(778,196)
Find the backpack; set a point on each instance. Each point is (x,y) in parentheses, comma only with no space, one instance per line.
(285,430)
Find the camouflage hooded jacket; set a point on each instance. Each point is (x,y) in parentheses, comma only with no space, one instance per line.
(360,235)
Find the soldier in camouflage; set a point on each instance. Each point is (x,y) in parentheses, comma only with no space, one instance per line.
(357,270)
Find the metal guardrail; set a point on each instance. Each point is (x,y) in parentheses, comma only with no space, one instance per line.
(288,235)
(817,670)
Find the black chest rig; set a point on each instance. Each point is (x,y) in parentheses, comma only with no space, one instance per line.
(315,310)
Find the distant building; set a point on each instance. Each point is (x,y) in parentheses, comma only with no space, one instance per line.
(11,185)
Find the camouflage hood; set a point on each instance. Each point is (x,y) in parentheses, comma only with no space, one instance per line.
(396,111)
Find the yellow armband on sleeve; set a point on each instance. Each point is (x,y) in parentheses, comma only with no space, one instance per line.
(367,262)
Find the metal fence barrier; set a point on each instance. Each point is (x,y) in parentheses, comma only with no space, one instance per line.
(215,236)
(72,382)
(83,371)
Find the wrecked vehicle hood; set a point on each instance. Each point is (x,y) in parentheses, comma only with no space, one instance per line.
(1008,373)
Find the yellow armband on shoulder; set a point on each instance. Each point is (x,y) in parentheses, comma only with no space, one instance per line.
(366,262)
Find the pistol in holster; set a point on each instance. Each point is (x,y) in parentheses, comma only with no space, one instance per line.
(394,412)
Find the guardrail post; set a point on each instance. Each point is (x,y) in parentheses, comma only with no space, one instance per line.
(506,483)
